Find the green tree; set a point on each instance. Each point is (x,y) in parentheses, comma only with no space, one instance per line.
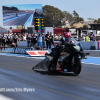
(75,17)
(95,21)
(53,16)
(85,26)
(69,16)
(81,19)
(98,21)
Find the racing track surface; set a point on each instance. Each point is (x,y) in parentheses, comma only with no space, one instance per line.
(17,21)
(16,72)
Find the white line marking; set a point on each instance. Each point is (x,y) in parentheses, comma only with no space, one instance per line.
(91,50)
(93,57)
(27,56)
(20,55)
(2,97)
(90,63)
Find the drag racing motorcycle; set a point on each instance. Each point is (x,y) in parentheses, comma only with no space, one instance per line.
(66,58)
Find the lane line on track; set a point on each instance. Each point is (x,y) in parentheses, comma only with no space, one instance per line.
(29,21)
(2,97)
(90,63)
(91,50)
(89,60)
(21,55)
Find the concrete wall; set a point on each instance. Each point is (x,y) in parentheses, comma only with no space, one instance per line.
(85,45)
(22,43)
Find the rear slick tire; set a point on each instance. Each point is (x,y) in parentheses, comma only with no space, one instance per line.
(77,67)
(48,66)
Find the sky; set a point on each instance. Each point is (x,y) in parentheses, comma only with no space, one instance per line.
(85,8)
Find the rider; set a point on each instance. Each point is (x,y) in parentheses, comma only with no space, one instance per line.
(66,38)
(64,41)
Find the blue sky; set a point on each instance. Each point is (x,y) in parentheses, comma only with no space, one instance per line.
(85,8)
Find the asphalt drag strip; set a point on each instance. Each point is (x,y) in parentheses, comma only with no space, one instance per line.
(19,82)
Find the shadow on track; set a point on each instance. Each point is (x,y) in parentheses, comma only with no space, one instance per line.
(53,73)
(42,69)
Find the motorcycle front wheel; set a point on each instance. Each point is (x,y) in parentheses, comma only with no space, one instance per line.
(77,66)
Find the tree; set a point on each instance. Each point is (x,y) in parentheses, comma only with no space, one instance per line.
(75,16)
(69,16)
(53,16)
(81,19)
(97,21)
(85,26)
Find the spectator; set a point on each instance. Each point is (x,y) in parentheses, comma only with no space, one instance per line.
(9,40)
(87,38)
(24,37)
(77,38)
(83,38)
(91,37)
(0,40)
(81,34)
(47,38)
(15,39)
(94,38)
(27,34)
(19,36)
(51,38)
(28,40)
(55,37)
(34,39)
(31,40)
(3,40)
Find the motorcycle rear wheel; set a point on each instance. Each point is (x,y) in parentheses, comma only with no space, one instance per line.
(48,64)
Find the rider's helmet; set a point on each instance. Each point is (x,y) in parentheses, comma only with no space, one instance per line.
(67,36)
